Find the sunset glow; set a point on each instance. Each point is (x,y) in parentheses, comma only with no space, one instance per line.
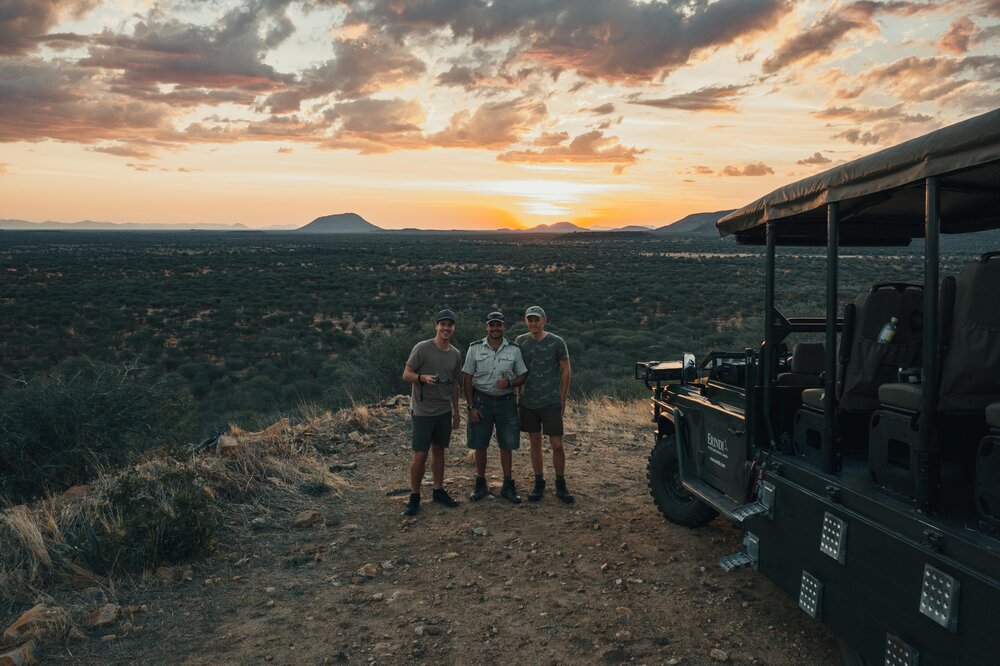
(475,115)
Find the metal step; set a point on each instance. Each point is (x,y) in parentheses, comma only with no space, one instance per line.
(749,511)
(735,561)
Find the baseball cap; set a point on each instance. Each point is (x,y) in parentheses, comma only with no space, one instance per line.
(534,311)
(495,316)
(445,314)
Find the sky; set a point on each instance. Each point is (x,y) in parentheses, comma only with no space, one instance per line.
(464,114)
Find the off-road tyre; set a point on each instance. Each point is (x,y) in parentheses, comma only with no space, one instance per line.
(675,503)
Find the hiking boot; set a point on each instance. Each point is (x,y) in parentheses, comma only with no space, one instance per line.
(413,505)
(480,491)
(509,493)
(441,496)
(538,492)
(562,493)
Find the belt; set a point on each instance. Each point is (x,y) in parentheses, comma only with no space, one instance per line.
(505,396)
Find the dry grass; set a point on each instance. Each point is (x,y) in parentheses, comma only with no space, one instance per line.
(608,415)
(357,416)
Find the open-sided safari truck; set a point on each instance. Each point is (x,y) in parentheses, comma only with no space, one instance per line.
(865,470)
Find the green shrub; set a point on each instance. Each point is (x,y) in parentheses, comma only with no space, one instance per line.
(57,430)
(148,515)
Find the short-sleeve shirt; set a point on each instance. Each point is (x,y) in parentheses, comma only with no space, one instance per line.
(487,366)
(428,359)
(544,374)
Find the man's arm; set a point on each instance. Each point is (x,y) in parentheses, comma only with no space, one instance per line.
(456,416)
(410,375)
(469,401)
(565,372)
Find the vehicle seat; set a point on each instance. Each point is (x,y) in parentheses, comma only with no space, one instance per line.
(988,472)
(806,365)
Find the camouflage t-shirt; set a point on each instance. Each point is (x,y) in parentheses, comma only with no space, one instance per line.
(542,358)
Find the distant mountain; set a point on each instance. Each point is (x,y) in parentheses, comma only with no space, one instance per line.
(557,228)
(341,223)
(91,225)
(695,224)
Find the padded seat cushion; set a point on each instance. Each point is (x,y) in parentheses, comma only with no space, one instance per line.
(993,415)
(813,398)
(807,358)
(902,396)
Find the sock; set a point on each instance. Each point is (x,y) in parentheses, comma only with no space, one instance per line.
(539,478)
(414,496)
(560,478)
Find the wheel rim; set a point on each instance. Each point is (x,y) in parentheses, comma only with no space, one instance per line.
(672,485)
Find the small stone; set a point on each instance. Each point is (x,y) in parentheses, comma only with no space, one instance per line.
(76,635)
(448,556)
(39,622)
(745,604)
(268,657)
(479,531)
(105,616)
(378,596)
(187,575)
(23,655)
(343,467)
(673,661)
(719,655)
(108,637)
(270,590)
(308,518)
(623,635)
(356,437)
(208,582)
(369,570)
(227,446)
(165,574)
(269,603)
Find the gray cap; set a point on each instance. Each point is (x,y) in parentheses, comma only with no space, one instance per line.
(495,316)
(534,311)
(445,314)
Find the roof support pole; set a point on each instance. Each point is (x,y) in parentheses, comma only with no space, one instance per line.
(830,451)
(770,357)
(927,456)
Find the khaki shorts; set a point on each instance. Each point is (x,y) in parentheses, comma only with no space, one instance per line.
(547,420)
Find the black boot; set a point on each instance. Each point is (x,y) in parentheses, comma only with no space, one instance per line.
(441,496)
(413,505)
(509,492)
(539,489)
(480,491)
(561,491)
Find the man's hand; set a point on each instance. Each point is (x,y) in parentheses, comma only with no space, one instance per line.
(503,382)
(456,419)
(428,379)
(475,415)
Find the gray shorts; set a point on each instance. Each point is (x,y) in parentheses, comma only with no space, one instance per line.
(429,430)
(500,414)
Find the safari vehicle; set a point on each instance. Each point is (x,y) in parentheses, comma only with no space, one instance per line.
(864,471)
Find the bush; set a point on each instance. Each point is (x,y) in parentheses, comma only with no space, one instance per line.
(57,430)
(157,513)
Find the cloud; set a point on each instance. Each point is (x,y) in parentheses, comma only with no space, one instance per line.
(613,40)
(886,123)
(378,125)
(3,168)
(550,138)
(284,150)
(862,115)
(590,147)
(755,169)
(820,38)
(699,170)
(360,68)
(23,22)
(960,33)
(123,150)
(603,109)
(43,100)
(709,98)
(492,125)
(916,79)
(814,160)
(857,136)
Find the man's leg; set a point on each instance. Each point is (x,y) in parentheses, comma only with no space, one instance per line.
(558,454)
(437,466)
(476,432)
(537,461)
(554,429)
(508,439)
(533,425)
(417,467)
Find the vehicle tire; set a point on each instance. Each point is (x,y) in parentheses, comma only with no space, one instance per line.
(850,656)
(675,503)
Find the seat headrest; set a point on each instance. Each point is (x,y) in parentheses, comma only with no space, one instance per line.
(808,358)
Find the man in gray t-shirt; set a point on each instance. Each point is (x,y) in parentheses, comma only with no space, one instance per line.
(435,370)
(543,398)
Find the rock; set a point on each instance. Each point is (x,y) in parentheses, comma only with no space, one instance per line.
(673,661)
(41,622)
(187,575)
(343,467)
(569,437)
(165,574)
(105,616)
(308,518)
(23,655)
(479,531)
(369,570)
(470,457)
(356,437)
(108,637)
(76,635)
(227,446)
(269,603)
(719,655)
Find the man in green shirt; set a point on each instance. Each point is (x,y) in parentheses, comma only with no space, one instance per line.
(543,398)
(435,370)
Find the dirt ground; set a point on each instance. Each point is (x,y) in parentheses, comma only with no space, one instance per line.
(604,580)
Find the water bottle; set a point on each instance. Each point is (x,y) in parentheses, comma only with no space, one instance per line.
(888,332)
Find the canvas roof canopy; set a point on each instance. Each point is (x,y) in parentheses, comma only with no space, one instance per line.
(882,196)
